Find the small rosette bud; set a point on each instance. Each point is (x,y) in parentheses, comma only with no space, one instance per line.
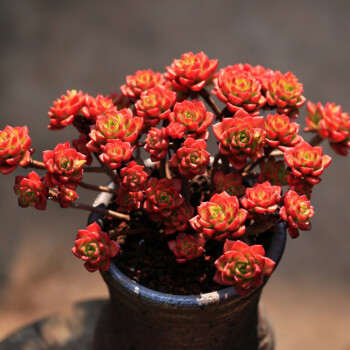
(31,191)
(273,171)
(176,130)
(238,88)
(94,106)
(280,132)
(154,104)
(14,148)
(192,159)
(186,247)
(285,92)
(191,71)
(121,125)
(80,145)
(262,198)
(134,178)
(64,165)
(115,152)
(178,219)
(66,196)
(241,137)
(65,109)
(242,266)
(220,218)
(142,80)
(230,183)
(128,200)
(297,210)
(307,161)
(157,144)
(95,248)
(162,197)
(194,117)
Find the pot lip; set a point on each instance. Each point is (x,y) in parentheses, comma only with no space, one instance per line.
(119,279)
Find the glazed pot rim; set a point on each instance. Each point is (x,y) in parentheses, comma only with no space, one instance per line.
(119,279)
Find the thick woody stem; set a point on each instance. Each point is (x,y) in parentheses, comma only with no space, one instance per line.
(316,140)
(35,164)
(99,210)
(95,188)
(106,212)
(185,189)
(210,102)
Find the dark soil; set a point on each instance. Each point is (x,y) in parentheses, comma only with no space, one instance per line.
(146,258)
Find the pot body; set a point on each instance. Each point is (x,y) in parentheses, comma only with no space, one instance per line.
(141,319)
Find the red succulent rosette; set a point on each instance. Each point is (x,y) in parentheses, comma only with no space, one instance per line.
(192,159)
(115,124)
(335,126)
(176,130)
(142,80)
(115,152)
(31,191)
(297,210)
(128,200)
(273,171)
(194,117)
(80,145)
(133,177)
(157,144)
(14,148)
(186,247)
(178,219)
(154,104)
(230,183)
(64,165)
(66,196)
(284,92)
(262,198)
(238,88)
(191,71)
(280,132)
(220,218)
(95,248)
(65,109)
(240,137)
(162,197)
(307,162)
(242,266)
(94,106)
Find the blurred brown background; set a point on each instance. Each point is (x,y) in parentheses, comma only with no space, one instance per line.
(50,46)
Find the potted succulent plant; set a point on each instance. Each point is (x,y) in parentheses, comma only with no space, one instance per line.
(185,235)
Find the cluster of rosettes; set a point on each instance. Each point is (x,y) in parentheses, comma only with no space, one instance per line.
(163,114)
